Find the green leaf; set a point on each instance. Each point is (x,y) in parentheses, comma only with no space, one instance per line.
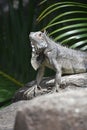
(65,14)
(65,21)
(84,48)
(42,2)
(80,25)
(79,44)
(7,89)
(48,10)
(75,37)
(71,33)
(68,22)
(11,78)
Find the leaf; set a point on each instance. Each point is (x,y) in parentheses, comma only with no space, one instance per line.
(80,25)
(11,79)
(42,2)
(79,44)
(48,10)
(7,89)
(67,22)
(75,37)
(84,48)
(65,14)
(72,32)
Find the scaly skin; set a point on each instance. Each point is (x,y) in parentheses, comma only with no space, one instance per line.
(47,53)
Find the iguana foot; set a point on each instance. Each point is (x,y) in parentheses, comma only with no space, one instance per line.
(56,89)
(37,90)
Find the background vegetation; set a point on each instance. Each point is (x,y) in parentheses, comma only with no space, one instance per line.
(66,22)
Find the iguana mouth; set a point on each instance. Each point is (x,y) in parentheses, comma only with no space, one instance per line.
(36,49)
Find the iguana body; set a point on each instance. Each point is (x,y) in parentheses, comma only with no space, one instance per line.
(47,53)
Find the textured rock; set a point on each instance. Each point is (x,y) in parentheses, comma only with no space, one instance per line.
(62,111)
(7,115)
(66,110)
(74,81)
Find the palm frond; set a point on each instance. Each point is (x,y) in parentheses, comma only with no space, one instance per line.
(67,23)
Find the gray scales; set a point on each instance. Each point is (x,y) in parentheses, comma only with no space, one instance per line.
(63,60)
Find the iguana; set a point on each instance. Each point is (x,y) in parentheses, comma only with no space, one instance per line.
(63,60)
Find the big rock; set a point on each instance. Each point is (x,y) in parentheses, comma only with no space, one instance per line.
(59,111)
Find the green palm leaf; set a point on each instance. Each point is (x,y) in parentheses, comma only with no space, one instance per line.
(69,27)
(70,33)
(49,10)
(67,24)
(67,13)
(79,44)
(65,21)
(75,37)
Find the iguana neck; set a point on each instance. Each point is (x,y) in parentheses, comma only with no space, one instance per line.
(51,44)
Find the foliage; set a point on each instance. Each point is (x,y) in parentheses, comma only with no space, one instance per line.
(15,25)
(67,23)
(7,89)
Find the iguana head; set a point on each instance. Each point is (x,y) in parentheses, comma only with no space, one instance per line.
(38,44)
(38,41)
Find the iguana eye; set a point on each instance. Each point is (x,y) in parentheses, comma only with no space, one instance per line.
(39,34)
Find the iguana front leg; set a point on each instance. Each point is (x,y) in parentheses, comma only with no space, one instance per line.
(39,78)
(57,68)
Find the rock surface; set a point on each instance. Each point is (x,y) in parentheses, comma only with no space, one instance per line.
(66,110)
(7,115)
(63,111)
(74,81)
